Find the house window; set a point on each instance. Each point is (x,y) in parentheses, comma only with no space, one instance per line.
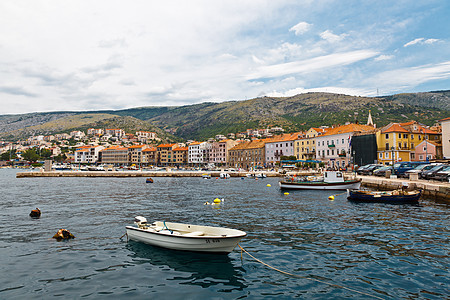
(386,155)
(387,146)
(343,141)
(387,135)
(405,135)
(412,136)
(420,157)
(328,152)
(399,135)
(381,155)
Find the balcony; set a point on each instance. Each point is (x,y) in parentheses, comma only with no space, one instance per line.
(331,146)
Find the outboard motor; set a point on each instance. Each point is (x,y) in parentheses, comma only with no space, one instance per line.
(140,221)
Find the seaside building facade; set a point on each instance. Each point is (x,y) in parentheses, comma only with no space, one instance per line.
(278,146)
(87,154)
(445,123)
(333,147)
(248,155)
(149,156)
(115,155)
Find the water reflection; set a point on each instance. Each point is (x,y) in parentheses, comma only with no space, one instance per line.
(202,269)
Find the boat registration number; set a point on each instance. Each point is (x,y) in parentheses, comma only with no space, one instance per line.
(209,241)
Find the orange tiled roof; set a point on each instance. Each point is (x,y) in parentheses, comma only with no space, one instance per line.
(255,144)
(347,129)
(394,127)
(181,149)
(149,149)
(116,148)
(446,119)
(194,143)
(165,145)
(426,130)
(137,146)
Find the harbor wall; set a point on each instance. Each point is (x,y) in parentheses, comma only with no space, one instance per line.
(433,190)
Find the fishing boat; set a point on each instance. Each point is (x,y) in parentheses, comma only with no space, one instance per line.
(149,180)
(331,180)
(206,176)
(396,196)
(187,237)
(224,175)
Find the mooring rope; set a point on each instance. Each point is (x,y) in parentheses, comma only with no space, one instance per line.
(304,277)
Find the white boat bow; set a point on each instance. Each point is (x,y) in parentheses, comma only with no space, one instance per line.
(187,237)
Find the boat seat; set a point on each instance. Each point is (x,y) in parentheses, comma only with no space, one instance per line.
(194,233)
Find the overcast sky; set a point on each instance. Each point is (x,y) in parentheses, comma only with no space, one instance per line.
(94,55)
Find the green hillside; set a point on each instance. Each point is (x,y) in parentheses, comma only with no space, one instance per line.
(205,120)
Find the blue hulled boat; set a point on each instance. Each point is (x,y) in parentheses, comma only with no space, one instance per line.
(395,196)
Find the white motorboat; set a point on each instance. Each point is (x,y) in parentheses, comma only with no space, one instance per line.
(185,237)
(331,180)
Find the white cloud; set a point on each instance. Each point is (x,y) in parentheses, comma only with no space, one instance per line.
(311,65)
(326,89)
(301,28)
(329,36)
(421,41)
(383,57)
(407,78)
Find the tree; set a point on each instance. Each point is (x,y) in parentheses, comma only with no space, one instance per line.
(10,154)
(30,155)
(45,153)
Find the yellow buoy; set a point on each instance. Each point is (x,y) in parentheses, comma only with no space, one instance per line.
(331,198)
(269,185)
(286,193)
(217,200)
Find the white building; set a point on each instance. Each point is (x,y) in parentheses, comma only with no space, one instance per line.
(445,137)
(333,147)
(198,152)
(87,154)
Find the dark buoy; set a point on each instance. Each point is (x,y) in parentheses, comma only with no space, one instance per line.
(63,234)
(35,213)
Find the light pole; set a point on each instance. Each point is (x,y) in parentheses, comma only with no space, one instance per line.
(392,156)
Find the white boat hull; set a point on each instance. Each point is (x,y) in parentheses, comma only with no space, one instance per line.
(354,184)
(186,237)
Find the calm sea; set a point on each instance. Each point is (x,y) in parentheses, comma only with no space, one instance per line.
(389,251)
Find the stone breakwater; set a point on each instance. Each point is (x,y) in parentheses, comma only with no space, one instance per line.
(134,174)
(434,190)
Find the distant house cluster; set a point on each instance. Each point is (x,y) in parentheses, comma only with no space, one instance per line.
(333,146)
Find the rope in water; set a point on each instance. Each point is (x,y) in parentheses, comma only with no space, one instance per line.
(304,277)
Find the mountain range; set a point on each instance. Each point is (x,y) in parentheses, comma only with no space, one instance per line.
(205,120)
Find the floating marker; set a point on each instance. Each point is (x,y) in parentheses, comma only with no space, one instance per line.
(331,198)
(217,200)
(268,185)
(286,193)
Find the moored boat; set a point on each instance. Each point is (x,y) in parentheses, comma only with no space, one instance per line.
(187,237)
(149,180)
(396,196)
(331,180)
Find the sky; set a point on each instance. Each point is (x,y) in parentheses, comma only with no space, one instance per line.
(113,54)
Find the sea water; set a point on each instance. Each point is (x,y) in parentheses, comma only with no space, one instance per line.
(334,249)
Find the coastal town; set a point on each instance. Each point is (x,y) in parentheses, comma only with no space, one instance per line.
(331,146)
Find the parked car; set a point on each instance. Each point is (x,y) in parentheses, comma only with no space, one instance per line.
(401,167)
(362,168)
(419,169)
(382,171)
(369,170)
(430,173)
(443,174)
